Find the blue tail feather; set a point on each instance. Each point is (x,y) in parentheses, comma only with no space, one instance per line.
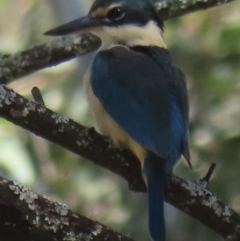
(156,208)
(154,171)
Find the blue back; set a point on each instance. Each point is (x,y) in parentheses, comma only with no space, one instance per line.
(146,102)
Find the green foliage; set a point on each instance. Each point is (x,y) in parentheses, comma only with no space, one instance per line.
(205,45)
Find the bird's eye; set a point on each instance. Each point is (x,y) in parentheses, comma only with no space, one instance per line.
(115,14)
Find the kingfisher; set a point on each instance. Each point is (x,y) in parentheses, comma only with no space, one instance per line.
(136,93)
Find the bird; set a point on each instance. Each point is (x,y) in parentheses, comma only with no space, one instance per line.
(136,93)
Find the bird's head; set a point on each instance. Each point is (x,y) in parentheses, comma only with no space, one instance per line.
(128,22)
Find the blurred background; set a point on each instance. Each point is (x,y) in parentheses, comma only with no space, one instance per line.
(205,45)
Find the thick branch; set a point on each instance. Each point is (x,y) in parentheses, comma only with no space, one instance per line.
(192,198)
(175,8)
(35,217)
(45,55)
(60,50)
(70,135)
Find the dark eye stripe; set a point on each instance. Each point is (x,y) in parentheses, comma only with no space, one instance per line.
(115,13)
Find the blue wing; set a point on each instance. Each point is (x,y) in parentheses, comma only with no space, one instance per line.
(179,96)
(136,91)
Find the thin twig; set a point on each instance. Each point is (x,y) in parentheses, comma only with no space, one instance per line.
(209,173)
(37,96)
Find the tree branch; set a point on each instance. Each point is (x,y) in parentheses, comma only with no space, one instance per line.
(14,66)
(36,217)
(175,8)
(192,198)
(67,133)
(60,50)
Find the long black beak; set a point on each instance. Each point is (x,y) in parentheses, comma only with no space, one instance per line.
(84,23)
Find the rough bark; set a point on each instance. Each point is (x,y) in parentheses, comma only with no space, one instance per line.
(27,216)
(14,66)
